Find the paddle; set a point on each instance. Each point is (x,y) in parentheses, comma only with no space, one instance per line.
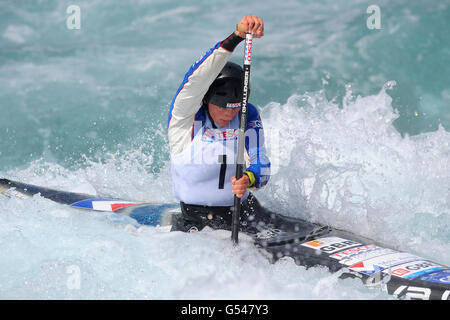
(241,133)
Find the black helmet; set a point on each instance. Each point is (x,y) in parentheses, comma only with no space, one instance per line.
(226,90)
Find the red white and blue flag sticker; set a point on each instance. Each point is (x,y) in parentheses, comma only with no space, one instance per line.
(103,204)
(366,268)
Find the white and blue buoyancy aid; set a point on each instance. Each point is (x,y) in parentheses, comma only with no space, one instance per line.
(203,154)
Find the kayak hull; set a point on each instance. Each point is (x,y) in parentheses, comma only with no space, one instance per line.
(400,274)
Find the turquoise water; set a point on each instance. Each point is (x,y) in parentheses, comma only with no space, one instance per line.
(357,123)
(66,94)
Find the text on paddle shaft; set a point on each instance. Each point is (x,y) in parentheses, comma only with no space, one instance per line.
(230,309)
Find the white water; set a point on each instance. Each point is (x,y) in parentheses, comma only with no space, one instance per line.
(345,167)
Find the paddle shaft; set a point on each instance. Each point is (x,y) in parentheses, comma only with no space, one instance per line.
(241,135)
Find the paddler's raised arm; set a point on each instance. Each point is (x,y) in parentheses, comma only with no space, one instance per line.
(188,98)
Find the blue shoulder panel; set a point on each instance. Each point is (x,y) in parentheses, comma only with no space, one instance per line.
(254,144)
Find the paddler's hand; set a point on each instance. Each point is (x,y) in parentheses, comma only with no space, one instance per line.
(254,25)
(240,186)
